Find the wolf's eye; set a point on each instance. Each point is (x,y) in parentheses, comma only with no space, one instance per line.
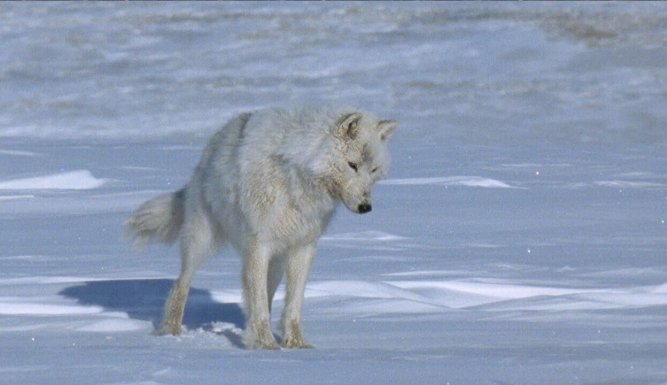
(374,170)
(353,166)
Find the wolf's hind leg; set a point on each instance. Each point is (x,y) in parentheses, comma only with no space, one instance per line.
(175,307)
(197,243)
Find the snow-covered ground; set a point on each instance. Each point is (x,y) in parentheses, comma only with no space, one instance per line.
(521,237)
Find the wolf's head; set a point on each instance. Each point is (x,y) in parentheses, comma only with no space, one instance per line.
(357,158)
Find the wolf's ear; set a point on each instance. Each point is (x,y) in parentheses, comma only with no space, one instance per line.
(386,128)
(348,126)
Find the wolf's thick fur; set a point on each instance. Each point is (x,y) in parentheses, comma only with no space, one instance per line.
(268,183)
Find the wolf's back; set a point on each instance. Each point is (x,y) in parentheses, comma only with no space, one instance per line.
(157,220)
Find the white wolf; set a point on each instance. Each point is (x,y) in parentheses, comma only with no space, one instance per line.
(268,183)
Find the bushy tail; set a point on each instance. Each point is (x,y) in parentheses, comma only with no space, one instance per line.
(157,220)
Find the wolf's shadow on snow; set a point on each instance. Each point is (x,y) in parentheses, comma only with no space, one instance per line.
(143,299)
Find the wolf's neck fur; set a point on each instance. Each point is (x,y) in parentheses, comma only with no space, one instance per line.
(311,197)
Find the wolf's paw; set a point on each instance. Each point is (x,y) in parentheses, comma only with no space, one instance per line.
(168,330)
(296,343)
(293,337)
(259,336)
(261,344)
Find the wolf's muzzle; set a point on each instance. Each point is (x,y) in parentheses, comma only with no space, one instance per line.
(364,208)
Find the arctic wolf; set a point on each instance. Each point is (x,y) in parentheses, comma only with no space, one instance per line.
(267,183)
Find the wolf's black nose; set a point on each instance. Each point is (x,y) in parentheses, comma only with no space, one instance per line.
(364,208)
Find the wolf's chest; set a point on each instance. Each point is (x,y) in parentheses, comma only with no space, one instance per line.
(294,225)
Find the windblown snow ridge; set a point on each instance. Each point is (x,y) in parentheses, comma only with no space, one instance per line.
(467,181)
(72,180)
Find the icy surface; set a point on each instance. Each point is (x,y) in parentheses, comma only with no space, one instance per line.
(519,239)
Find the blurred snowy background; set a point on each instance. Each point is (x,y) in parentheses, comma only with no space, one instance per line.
(519,239)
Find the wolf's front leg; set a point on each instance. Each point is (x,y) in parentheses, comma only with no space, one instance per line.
(255,273)
(298,265)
